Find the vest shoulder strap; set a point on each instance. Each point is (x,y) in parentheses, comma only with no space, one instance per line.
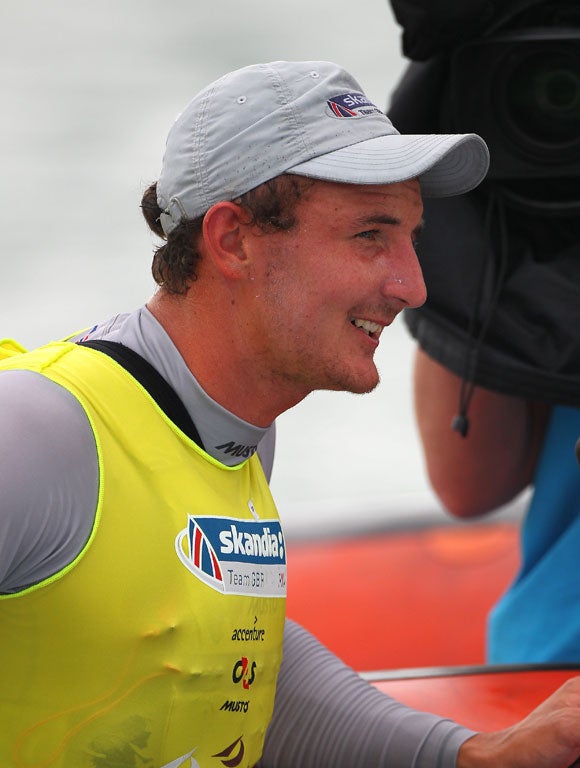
(151,380)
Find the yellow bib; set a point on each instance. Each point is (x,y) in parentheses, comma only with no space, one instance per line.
(159,646)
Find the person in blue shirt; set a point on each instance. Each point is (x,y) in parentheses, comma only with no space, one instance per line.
(497,375)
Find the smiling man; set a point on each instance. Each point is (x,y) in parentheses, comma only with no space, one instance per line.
(142,562)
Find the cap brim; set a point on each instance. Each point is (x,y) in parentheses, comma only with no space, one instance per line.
(447,164)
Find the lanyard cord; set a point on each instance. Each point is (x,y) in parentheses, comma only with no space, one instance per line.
(460,422)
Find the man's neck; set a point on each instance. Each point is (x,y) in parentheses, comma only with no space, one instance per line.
(207,343)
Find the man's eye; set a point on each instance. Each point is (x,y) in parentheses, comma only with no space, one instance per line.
(368,234)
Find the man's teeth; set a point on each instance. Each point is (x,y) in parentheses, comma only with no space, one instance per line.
(367,326)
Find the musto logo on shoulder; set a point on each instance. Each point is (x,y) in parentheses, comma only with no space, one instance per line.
(243,557)
(352,105)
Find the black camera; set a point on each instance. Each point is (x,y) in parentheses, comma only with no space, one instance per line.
(521,92)
(501,263)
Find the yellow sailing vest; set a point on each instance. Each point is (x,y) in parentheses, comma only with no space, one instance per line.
(159,646)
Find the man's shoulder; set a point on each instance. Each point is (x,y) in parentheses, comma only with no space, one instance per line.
(48,476)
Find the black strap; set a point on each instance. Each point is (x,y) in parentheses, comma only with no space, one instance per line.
(151,380)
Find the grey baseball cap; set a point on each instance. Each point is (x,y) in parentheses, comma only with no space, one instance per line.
(305,117)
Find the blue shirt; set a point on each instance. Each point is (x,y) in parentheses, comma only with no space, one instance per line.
(538,618)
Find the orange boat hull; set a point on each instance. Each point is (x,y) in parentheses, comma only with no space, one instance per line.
(486,699)
(414,603)
(411,598)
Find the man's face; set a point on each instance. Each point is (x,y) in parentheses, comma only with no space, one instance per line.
(324,291)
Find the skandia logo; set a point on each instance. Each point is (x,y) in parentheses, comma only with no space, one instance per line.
(235,556)
(256,545)
(352,105)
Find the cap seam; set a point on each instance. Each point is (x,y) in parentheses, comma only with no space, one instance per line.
(289,107)
(199,135)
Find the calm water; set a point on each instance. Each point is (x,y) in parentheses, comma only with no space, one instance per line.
(88,93)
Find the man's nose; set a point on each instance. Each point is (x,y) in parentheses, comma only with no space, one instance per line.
(405,282)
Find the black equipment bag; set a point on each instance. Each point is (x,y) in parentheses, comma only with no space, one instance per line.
(502,263)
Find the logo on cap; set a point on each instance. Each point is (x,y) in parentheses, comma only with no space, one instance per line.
(352,105)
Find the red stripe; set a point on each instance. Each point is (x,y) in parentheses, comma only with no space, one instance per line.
(197,548)
(216,566)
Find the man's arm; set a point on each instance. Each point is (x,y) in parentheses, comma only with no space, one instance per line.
(497,458)
(326,716)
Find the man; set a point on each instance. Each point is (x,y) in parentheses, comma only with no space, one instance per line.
(143,564)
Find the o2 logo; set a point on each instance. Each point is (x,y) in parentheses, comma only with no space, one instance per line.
(244,672)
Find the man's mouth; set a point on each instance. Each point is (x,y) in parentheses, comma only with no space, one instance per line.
(371,329)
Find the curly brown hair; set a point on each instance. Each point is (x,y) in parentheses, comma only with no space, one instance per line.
(270,206)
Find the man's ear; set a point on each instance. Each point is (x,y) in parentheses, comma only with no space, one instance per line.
(224,227)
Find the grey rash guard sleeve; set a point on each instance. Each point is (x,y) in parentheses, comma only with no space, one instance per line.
(49,479)
(326,716)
